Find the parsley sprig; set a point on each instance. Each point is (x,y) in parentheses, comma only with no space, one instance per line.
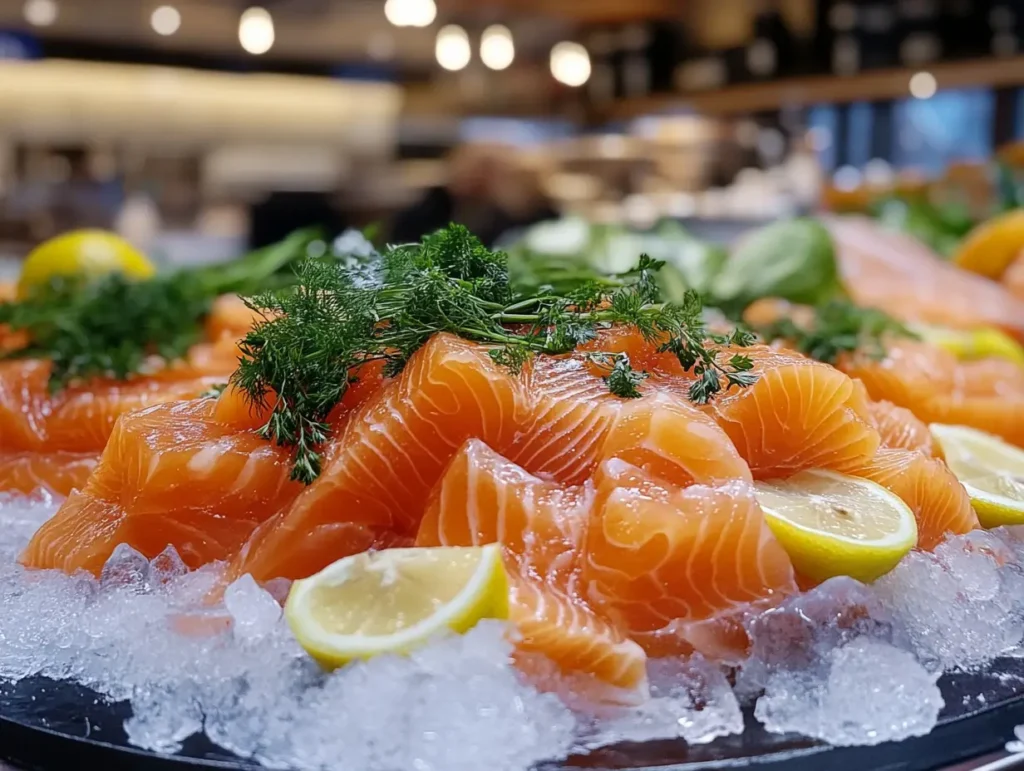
(300,359)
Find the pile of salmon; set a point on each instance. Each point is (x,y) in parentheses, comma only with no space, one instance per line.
(629,526)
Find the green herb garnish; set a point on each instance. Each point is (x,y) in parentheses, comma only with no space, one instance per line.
(839,327)
(108,326)
(299,360)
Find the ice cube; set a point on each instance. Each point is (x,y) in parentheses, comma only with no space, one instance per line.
(166,567)
(868,692)
(125,568)
(254,610)
(690,699)
(960,606)
(806,627)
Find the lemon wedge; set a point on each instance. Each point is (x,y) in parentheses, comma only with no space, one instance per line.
(82,252)
(836,525)
(979,343)
(991,471)
(395,600)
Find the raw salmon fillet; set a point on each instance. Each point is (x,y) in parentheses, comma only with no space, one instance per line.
(900,275)
(985,394)
(799,414)
(80,418)
(483,498)
(657,556)
(938,500)
(900,429)
(58,472)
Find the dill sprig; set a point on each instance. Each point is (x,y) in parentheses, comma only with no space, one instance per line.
(837,328)
(110,325)
(300,358)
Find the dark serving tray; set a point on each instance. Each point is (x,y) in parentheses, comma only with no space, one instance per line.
(53,725)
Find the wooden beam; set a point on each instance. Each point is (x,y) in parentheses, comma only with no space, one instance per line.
(578,11)
(883,84)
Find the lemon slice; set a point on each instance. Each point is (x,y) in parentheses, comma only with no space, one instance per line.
(973,344)
(836,525)
(82,252)
(395,600)
(991,471)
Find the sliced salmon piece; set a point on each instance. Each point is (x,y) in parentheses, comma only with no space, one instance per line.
(170,475)
(939,389)
(566,630)
(484,498)
(569,403)
(900,275)
(80,418)
(657,556)
(938,500)
(229,318)
(673,441)
(56,472)
(799,414)
(378,472)
(900,429)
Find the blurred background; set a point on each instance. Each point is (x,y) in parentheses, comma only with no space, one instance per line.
(199,128)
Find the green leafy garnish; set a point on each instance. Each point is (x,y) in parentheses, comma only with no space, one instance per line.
(790,259)
(109,326)
(838,327)
(299,359)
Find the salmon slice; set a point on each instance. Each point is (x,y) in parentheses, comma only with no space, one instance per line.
(191,474)
(568,632)
(658,557)
(170,475)
(898,274)
(58,472)
(937,388)
(484,498)
(799,414)
(569,404)
(380,470)
(673,441)
(229,318)
(900,429)
(938,500)
(81,418)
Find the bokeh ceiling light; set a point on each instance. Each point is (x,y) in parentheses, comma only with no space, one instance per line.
(165,20)
(410,13)
(570,63)
(923,85)
(452,47)
(256,30)
(40,13)
(497,50)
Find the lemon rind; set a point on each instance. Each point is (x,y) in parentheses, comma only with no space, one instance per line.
(896,540)
(330,645)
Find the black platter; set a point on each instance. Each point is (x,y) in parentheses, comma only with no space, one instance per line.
(53,725)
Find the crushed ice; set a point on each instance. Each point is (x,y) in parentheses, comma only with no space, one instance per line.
(846,663)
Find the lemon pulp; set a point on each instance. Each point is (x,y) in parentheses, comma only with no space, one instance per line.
(395,600)
(991,471)
(831,524)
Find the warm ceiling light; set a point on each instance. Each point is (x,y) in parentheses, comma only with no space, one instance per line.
(165,20)
(40,13)
(496,47)
(452,47)
(923,85)
(410,13)
(256,30)
(570,63)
